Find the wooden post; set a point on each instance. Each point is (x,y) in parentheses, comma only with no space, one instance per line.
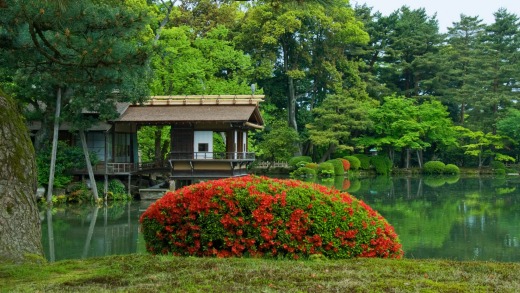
(93,185)
(54,146)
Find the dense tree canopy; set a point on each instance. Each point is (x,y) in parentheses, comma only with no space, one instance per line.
(345,78)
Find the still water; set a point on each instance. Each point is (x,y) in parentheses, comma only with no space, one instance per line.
(442,218)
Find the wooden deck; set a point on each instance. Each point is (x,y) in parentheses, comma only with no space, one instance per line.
(184,165)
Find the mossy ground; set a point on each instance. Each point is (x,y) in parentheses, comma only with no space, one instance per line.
(146,273)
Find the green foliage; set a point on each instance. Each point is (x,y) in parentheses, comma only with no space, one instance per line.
(346,164)
(364,161)
(89,50)
(116,190)
(68,158)
(497,165)
(338,167)
(313,166)
(278,142)
(326,169)
(79,193)
(382,164)
(355,163)
(434,167)
(303,172)
(262,217)
(337,118)
(296,161)
(146,138)
(451,169)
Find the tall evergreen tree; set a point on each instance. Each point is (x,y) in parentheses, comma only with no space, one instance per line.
(89,55)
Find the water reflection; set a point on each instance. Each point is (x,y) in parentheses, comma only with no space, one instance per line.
(446,218)
(87,231)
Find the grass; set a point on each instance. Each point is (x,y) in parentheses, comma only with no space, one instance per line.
(147,273)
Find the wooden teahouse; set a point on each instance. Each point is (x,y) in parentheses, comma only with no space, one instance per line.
(193,121)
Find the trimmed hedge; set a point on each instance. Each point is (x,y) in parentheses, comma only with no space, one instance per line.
(313,166)
(364,161)
(303,172)
(355,163)
(264,217)
(451,169)
(338,167)
(346,164)
(326,169)
(434,167)
(382,164)
(295,161)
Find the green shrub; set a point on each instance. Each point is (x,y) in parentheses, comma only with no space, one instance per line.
(68,158)
(313,166)
(497,165)
(116,190)
(303,172)
(325,169)
(364,161)
(264,217)
(346,164)
(500,172)
(79,192)
(355,163)
(338,167)
(382,164)
(434,167)
(451,169)
(293,162)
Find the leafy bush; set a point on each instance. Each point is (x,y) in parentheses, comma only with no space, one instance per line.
(346,164)
(293,162)
(338,167)
(68,158)
(263,217)
(497,165)
(79,192)
(313,166)
(355,163)
(326,169)
(382,164)
(500,172)
(116,190)
(434,167)
(451,169)
(303,172)
(364,161)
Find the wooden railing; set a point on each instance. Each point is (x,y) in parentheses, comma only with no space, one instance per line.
(238,156)
(127,168)
(275,164)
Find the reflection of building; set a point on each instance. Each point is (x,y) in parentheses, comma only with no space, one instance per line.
(193,120)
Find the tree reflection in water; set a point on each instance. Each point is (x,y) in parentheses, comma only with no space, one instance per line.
(435,217)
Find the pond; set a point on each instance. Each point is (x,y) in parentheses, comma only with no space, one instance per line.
(442,218)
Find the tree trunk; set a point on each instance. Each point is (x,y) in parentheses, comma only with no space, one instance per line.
(419,158)
(407,158)
(93,184)
(54,146)
(330,150)
(291,97)
(20,231)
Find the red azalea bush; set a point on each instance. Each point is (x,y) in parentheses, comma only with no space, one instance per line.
(346,164)
(259,216)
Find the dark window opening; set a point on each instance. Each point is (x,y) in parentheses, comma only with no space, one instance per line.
(203,147)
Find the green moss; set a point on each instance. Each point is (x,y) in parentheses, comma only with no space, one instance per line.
(23,148)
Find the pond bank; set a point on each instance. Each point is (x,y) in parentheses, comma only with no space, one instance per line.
(146,273)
